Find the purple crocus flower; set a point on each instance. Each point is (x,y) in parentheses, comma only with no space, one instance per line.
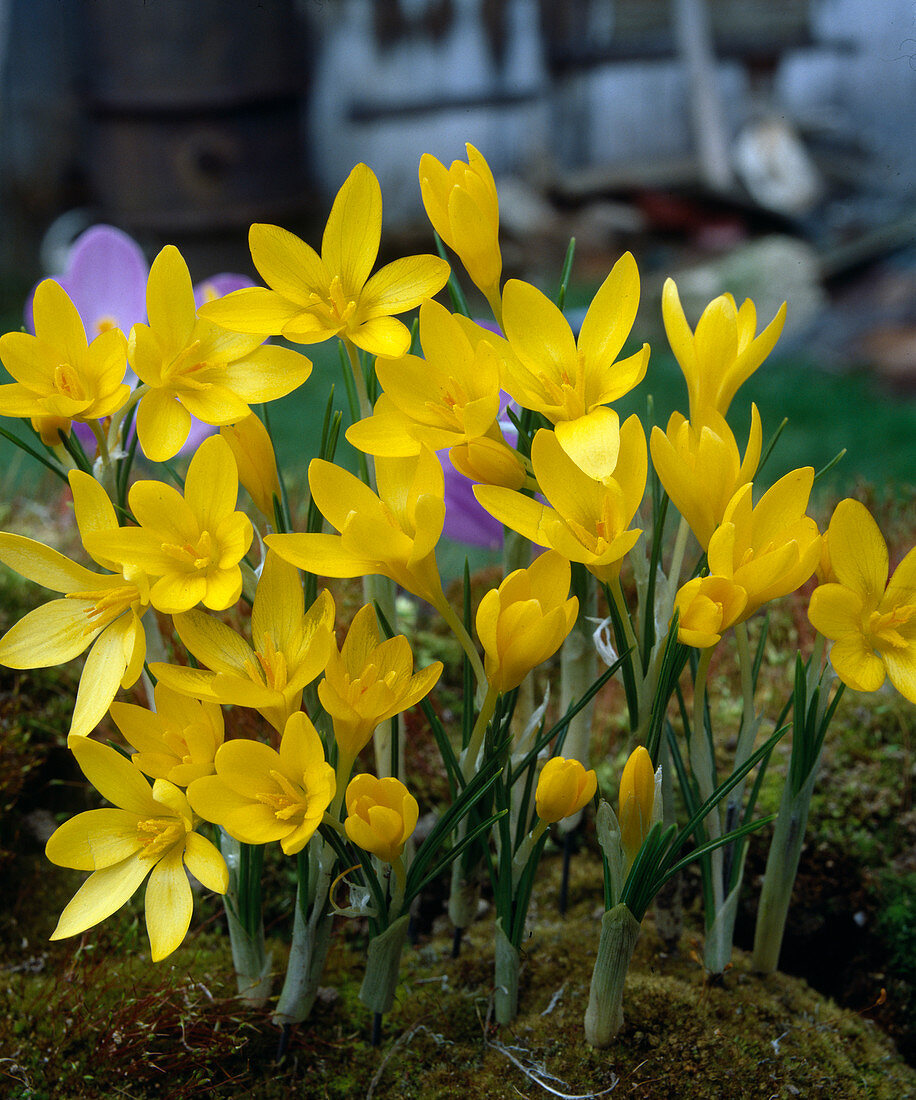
(105,277)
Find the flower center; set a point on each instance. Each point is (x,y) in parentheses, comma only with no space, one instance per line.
(196,556)
(271,668)
(158,835)
(106,604)
(882,631)
(287,801)
(336,308)
(67,381)
(188,371)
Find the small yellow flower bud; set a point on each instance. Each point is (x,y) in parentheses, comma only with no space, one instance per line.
(251,445)
(707,607)
(564,787)
(525,620)
(490,462)
(381,815)
(637,801)
(462,204)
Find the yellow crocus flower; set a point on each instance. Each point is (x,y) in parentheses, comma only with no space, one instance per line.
(259,795)
(177,741)
(381,816)
(707,607)
(392,534)
(722,353)
(636,809)
(463,207)
(871,622)
(312,298)
(192,543)
(289,648)
(525,620)
(571,381)
(369,681)
(449,396)
(192,367)
(564,788)
(771,548)
(585,519)
(147,831)
(99,611)
(59,376)
(701,469)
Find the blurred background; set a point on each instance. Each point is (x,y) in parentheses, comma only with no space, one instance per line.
(759,146)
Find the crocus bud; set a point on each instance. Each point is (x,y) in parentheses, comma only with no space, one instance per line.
(636,807)
(381,815)
(525,620)
(490,462)
(251,444)
(564,787)
(462,204)
(707,607)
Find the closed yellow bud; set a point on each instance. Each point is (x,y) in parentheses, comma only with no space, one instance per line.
(251,445)
(564,787)
(462,204)
(381,815)
(525,620)
(637,801)
(490,462)
(707,607)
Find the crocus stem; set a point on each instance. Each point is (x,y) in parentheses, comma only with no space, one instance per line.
(456,626)
(365,408)
(781,869)
(463,894)
(383,965)
(669,908)
(604,1015)
(246,930)
(577,674)
(472,751)
(703,767)
(311,935)
(506,968)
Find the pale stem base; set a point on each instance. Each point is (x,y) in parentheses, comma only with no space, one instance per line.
(604,1015)
(383,966)
(507,961)
(779,877)
(251,961)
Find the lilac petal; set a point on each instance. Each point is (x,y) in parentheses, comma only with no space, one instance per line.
(106,279)
(465,520)
(218,286)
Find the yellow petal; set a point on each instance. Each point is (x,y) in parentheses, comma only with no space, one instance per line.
(170,300)
(288,265)
(592,441)
(95,839)
(402,285)
(102,894)
(104,672)
(858,552)
(168,904)
(611,314)
(205,862)
(163,425)
(351,237)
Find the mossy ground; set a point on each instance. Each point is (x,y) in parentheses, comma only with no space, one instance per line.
(92,1017)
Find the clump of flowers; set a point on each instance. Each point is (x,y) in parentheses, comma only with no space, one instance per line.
(253,690)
